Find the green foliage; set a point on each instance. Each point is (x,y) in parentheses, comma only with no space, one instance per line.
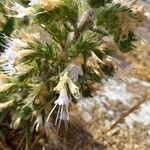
(66,13)
(72,10)
(108,18)
(108,70)
(7,30)
(86,43)
(96,3)
(41,51)
(126,43)
(73,38)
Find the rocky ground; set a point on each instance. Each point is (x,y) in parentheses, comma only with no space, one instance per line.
(90,119)
(97,115)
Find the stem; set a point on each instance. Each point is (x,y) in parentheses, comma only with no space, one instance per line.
(64,50)
(84,23)
(27,135)
(127,113)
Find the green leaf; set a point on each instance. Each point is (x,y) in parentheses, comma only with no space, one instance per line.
(58,14)
(28,135)
(25,113)
(2,115)
(7,30)
(98,53)
(72,11)
(108,70)
(43,51)
(108,18)
(86,44)
(96,3)
(57,31)
(126,43)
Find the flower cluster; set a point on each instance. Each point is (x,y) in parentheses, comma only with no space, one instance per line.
(46,5)
(64,100)
(63,53)
(15,50)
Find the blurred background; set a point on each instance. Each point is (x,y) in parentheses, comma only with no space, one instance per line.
(91,118)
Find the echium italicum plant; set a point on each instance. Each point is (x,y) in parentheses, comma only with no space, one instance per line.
(68,47)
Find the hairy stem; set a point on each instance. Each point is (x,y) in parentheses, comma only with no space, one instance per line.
(84,23)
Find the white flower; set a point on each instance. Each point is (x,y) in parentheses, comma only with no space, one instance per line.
(22,69)
(74,89)
(62,102)
(9,69)
(21,11)
(5,87)
(10,54)
(28,37)
(13,46)
(93,61)
(63,98)
(23,53)
(62,82)
(16,44)
(16,122)
(6,104)
(75,71)
(38,122)
(65,79)
(9,51)
(4,78)
(75,68)
(34,2)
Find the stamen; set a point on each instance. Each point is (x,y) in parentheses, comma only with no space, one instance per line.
(67,112)
(51,113)
(58,113)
